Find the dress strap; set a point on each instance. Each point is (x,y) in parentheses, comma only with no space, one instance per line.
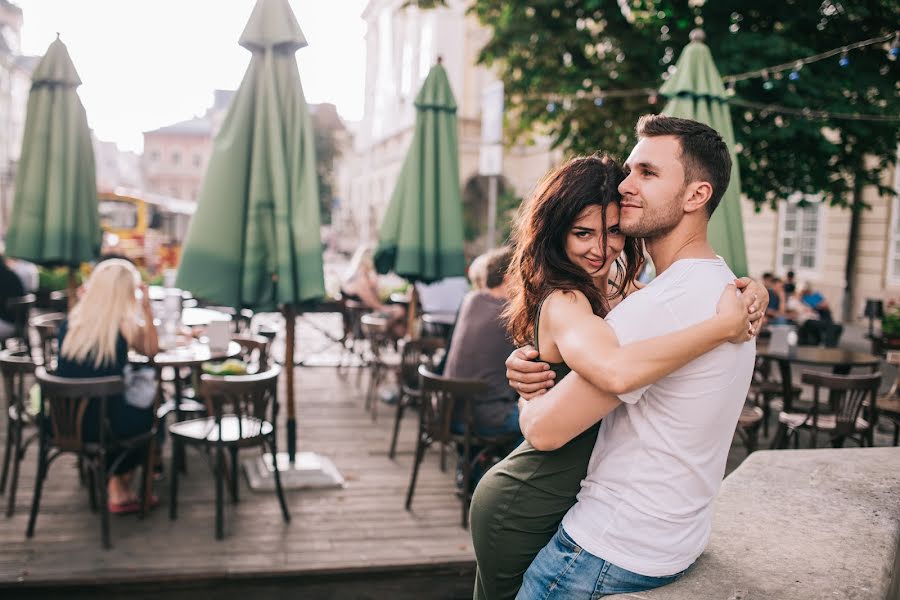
(537,323)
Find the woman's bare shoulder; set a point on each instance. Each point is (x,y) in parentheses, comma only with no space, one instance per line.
(566,303)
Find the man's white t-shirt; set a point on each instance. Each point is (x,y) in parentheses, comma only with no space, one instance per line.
(646,502)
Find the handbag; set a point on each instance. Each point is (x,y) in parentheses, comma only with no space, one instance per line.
(140,386)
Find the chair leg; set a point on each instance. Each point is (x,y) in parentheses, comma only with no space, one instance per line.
(397,418)
(443,457)
(467,489)
(767,411)
(173,474)
(11,426)
(38,487)
(220,491)
(897,433)
(233,451)
(102,479)
(780,439)
(18,455)
(420,452)
(147,476)
(281,500)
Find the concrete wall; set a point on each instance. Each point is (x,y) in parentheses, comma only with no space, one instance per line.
(801,525)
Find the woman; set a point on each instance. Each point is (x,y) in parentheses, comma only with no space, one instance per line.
(94,342)
(360,283)
(567,241)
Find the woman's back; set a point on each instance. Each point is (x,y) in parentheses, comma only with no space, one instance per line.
(68,367)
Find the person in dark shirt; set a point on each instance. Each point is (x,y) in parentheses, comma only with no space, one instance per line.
(478,347)
(10,287)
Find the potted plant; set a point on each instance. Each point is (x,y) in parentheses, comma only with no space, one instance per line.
(890,325)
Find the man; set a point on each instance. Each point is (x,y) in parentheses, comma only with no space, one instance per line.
(644,511)
(479,340)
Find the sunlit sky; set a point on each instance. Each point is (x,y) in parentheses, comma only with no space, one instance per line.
(149,63)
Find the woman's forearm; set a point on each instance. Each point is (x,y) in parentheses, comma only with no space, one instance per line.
(620,369)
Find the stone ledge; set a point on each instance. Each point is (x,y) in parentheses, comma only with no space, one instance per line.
(801,525)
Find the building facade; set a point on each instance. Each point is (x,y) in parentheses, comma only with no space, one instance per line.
(175,157)
(15,83)
(402,44)
(814,241)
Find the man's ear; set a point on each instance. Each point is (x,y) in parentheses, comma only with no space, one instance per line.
(697,195)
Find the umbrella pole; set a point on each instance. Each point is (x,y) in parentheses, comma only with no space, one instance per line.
(411,332)
(71,288)
(290,321)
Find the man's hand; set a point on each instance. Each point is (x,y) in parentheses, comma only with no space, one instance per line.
(757,308)
(527,377)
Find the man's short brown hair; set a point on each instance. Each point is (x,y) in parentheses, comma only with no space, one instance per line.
(497,264)
(704,154)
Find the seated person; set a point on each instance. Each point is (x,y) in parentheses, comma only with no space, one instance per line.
(94,341)
(360,283)
(776,312)
(817,302)
(790,284)
(477,272)
(476,350)
(10,287)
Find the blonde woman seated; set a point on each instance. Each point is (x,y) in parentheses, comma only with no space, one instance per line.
(360,283)
(94,342)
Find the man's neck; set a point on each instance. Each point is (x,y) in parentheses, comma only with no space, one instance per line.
(498,292)
(685,241)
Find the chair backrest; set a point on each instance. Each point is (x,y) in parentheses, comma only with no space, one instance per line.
(417,353)
(440,397)
(351,313)
(59,301)
(65,401)
(254,351)
(15,366)
(47,326)
(375,329)
(20,308)
(848,394)
(243,396)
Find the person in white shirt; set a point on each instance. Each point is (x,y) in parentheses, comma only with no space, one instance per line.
(644,511)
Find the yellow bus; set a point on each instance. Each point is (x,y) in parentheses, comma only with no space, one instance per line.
(147,228)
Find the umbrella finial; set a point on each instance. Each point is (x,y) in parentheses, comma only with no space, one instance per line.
(57,35)
(440,59)
(698,35)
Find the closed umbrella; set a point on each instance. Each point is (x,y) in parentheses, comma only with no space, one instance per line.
(421,236)
(254,241)
(54,217)
(696,92)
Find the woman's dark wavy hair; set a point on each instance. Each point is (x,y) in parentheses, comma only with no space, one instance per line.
(540,264)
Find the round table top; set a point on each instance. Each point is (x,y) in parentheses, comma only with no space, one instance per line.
(194,354)
(815,355)
(197,317)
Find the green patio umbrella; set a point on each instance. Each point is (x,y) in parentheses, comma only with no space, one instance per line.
(54,216)
(421,236)
(254,241)
(696,92)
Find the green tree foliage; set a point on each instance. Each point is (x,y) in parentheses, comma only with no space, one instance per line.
(555,56)
(327,127)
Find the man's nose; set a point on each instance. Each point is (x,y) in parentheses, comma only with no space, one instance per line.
(626,187)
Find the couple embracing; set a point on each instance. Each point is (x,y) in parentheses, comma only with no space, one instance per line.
(586,508)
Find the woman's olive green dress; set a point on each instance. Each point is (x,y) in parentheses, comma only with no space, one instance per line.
(519,504)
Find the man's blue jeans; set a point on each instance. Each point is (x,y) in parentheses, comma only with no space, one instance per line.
(565,570)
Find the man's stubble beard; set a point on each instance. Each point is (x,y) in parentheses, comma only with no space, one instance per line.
(657,223)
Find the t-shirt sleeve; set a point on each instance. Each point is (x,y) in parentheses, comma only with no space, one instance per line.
(627,329)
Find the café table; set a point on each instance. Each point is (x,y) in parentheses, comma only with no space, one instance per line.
(839,360)
(200,317)
(439,324)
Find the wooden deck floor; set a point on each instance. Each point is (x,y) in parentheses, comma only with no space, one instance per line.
(356,542)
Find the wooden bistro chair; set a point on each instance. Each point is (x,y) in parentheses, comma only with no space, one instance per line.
(765,389)
(852,412)
(243,414)
(254,352)
(64,401)
(47,327)
(20,308)
(888,404)
(376,329)
(748,426)
(16,368)
(352,312)
(439,396)
(415,354)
